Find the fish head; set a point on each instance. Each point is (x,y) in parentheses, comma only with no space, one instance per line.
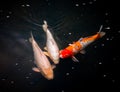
(56,61)
(65,53)
(48,73)
(55,58)
(50,76)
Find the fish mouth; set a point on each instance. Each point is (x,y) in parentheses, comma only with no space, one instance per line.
(56,61)
(50,76)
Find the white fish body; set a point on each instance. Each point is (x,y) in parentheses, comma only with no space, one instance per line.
(41,61)
(51,45)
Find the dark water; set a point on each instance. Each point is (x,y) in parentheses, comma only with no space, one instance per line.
(69,20)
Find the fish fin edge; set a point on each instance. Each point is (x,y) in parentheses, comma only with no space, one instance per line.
(75,59)
(35,69)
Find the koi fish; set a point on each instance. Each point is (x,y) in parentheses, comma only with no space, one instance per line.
(79,46)
(41,61)
(51,45)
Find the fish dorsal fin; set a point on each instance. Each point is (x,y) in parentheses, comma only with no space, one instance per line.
(80,39)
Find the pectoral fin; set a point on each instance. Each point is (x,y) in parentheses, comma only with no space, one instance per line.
(75,59)
(70,44)
(82,51)
(53,66)
(73,42)
(30,40)
(46,53)
(45,48)
(35,69)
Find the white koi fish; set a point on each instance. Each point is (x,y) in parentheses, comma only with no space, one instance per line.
(51,45)
(41,61)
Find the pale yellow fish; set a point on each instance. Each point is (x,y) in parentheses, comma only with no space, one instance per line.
(41,61)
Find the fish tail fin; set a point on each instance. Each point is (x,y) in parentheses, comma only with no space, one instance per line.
(45,26)
(100,28)
(31,38)
(100,32)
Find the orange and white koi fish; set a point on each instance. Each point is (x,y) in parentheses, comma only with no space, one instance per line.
(51,45)
(41,61)
(79,46)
